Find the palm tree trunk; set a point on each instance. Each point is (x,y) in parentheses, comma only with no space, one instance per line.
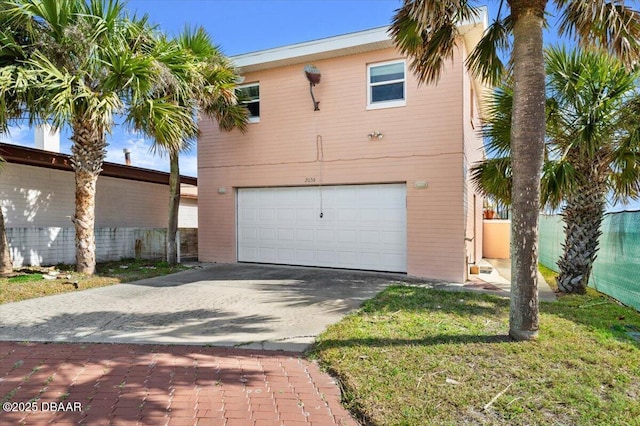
(174,204)
(582,217)
(6,265)
(88,152)
(527,142)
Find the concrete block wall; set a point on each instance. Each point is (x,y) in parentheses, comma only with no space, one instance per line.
(53,245)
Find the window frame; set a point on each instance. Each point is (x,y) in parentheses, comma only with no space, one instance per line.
(251,119)
(390,103)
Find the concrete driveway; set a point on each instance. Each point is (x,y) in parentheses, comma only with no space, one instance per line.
(240,305)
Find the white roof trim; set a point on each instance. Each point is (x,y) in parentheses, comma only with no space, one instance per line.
(373,39)
(331,47)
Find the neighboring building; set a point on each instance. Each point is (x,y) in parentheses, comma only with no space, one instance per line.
(376,179)
(37,195)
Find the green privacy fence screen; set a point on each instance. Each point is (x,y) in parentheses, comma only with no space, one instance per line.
(616,271)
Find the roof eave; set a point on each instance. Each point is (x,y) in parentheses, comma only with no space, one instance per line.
(343,45)
(471,33)
(53,160)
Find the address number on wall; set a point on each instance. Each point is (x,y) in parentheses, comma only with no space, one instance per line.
(309,179)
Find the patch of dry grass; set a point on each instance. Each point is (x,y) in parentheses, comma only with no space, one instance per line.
(29,283)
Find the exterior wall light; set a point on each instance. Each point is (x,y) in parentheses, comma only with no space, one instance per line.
(222,190)
(420,184)
(375,135)
(313,75)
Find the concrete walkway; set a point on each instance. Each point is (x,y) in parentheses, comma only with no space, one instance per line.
(500,276)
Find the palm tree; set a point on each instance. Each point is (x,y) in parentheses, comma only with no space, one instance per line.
(196,78)
(427,31)
(80,65)
(592,149)
(598,130)
(162,115)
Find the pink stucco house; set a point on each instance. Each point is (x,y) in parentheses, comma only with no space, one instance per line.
(375,178)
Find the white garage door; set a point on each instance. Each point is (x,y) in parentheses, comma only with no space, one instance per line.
(362,226)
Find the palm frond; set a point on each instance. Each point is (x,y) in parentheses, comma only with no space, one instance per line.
(624,179)
(484,60)
(608,25)
(496,129)
(198,41)
(493,177)
(126,71)
(625,166)
(170,125)
(228,115)
(593,129)
(589,89)
(558,180)
(427,32)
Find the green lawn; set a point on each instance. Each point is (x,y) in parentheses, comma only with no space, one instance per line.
(415,356)
(29,284)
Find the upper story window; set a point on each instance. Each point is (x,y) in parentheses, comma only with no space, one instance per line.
(386,85)
(249,95)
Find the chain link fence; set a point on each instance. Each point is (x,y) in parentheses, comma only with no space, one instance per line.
(616,271)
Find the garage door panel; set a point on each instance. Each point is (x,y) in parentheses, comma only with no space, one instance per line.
(248,215)
(395,238)
(328,218)
(370,259)
(325,257)
(286,198)
(266,198)
(286,234)
(247,234)
(369,237)
(267,216)
(392,215)
(347,258)
(304,216)
(369,215)
(391,262)
(249,199)
(325,235)
(345,195)
(305,257)
(267,254)
(267,235)
(305,235)
(286,215)
(286,255)
(363,226)
(248,253)
(347,236)
(347,215)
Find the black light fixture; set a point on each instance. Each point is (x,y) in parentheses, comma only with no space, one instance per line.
(313,75)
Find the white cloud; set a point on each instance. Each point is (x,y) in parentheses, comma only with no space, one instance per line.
(189,164)
(19,135)
(141,156)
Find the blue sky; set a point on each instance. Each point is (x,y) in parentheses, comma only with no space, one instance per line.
(241,26)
